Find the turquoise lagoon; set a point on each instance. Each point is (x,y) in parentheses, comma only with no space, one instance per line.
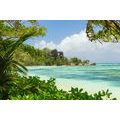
(90,78)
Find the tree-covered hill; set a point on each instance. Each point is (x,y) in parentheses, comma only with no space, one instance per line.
(28,55)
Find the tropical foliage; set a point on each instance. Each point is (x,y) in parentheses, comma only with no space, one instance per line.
(15,29)
(18,31)
(13,53)
(103,30)
(28,55)
(33,88)
(7,67)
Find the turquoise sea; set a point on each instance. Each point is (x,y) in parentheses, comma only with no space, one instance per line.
(91,78)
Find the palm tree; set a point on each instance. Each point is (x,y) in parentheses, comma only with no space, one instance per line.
(19,30)
(8,66)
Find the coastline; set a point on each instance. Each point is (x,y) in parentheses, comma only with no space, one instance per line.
(91,64)
(90,87)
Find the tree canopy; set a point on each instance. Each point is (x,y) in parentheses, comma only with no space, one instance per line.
(103,30)
(15,29)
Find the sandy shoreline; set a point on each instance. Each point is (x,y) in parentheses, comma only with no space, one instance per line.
(90,87)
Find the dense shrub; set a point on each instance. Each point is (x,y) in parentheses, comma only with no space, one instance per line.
(32,88)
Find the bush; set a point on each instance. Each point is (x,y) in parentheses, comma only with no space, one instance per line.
(32,88)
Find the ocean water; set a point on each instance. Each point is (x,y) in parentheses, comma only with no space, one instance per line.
(91,78)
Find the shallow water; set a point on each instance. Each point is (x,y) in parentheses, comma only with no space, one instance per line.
(91,78)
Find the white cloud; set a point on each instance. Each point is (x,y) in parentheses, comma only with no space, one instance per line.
(78,45)
(42,44)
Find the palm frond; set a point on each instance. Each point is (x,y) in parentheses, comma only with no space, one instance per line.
(21,68)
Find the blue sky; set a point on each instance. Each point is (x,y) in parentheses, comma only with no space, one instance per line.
(70,37)
(57,30)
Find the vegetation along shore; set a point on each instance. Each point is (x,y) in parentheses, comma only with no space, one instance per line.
(15,55)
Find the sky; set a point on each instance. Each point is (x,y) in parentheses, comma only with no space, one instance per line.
(69,36)
(57,30)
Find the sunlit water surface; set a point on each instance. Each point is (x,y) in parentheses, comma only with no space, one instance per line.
(91,78)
